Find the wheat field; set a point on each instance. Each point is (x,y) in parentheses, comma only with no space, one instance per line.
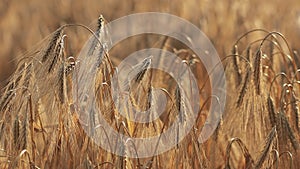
(43,44)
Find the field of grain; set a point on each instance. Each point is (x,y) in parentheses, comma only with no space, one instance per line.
(40,124)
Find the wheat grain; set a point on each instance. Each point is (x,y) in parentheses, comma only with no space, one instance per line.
(62,83)
(24,135)
(149,105)
(8,97)
(235,64)
(271,51)
(257,71)
(244,89)
(16,129)
(179,104)
(271,111)
(28,75)
(20,75)
(7,93)
(248,53)
(295,110)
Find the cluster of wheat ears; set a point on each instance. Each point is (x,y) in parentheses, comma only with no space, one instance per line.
(41,125)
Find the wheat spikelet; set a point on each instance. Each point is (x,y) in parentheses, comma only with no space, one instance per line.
(28,75)
(100,59)
(248,53)
(289,131)
(62,83)
(235,64)
(179,104)
(58,54)
(8,95)
(280,127)
(292,137)
(271,50)
(136,84)
(16,131)
(24,133)
(244,89)
(257,71)
(20,74)
(99,49)
(53,43)
(271,111)
(149,105)
(295,110)
(266,149)
(286,130)
(143,67)
(95,43)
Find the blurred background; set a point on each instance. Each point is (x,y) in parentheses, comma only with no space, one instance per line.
(23,24)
